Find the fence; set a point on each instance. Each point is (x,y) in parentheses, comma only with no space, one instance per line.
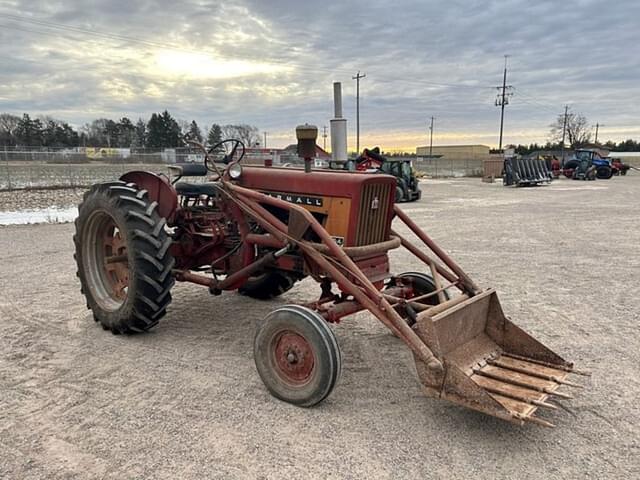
(37,167)
(448,167)
(80,167)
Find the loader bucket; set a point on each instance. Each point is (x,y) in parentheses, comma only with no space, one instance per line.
(490,364)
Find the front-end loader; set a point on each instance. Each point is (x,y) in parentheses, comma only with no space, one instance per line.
(260,230)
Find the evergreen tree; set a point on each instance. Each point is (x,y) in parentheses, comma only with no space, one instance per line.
(140,134)
(163,131)
(111,133)
(194,132)
(172,132)
(28,132)
(215,135)
(154,132)
(126,132)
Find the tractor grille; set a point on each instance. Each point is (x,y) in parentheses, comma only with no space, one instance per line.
(372,222)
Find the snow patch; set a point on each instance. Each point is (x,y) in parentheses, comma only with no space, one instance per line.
(40,215)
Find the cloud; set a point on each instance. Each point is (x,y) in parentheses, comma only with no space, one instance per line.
(272,64)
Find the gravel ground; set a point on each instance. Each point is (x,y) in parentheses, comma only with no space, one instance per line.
(185,401)
(37,199)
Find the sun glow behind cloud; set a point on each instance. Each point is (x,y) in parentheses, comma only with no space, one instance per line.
(200,66)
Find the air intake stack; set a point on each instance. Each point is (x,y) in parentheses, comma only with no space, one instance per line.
(338,127)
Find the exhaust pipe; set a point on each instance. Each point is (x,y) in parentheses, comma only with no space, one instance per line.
(338,127)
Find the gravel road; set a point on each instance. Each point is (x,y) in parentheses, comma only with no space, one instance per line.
(185,401)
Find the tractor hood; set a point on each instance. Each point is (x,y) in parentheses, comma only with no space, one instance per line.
(318,182)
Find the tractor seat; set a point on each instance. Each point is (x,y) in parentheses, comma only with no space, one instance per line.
(189,169)
(196,189)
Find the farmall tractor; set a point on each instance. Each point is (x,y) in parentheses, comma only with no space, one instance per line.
(259,230)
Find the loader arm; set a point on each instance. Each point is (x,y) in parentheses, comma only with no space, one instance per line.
(466,350)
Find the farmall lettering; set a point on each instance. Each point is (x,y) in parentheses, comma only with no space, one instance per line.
(297,199)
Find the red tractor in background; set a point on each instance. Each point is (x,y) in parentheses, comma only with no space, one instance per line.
(258,231)
(618,167)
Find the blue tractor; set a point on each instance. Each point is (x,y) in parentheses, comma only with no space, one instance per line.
(587,164)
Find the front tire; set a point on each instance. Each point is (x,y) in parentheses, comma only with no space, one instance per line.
(604,173)
(297,355)
(267,285)
(123,259)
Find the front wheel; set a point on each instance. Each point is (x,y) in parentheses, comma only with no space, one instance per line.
(604,173)
(297,355)
(123,259)
(268,285)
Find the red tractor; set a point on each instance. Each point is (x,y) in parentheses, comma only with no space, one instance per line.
(619,168)
(258,231)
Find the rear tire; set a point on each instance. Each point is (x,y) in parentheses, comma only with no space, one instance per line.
(267,285)
(297,355)
(123,259)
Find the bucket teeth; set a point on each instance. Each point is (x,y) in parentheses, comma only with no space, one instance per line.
(521,386)
(533,369)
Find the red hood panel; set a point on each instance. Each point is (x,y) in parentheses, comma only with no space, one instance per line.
(318,182)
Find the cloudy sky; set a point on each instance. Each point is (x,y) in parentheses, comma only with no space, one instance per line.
(272,64)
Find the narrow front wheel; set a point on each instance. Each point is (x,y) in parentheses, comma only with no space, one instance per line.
(297,355)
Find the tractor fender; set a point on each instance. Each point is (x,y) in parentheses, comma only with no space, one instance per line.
(159,190)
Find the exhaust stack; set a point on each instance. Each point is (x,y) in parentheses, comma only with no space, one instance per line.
(338,127)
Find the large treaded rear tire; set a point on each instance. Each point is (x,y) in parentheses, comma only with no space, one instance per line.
(133,296)
(267,285)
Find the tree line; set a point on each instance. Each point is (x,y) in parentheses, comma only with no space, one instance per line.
(576,132)
(161,130)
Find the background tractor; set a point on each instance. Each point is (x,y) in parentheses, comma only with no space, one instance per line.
(259,230)
(371,161)
(588,165)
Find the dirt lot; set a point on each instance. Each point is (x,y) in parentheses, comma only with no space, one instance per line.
(185,401)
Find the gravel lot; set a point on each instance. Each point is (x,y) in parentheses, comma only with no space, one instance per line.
(185,401)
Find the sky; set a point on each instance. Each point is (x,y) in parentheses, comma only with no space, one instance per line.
(272,64)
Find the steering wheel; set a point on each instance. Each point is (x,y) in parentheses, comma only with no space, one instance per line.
(226,151)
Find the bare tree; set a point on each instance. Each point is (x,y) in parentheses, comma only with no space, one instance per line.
(578,130)
(8,124)
(247,134)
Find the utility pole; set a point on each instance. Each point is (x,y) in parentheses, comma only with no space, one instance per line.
(564,130)
(431,137)
(324,138)
(503,99)
(265,140)
(598,125)
(357,79)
